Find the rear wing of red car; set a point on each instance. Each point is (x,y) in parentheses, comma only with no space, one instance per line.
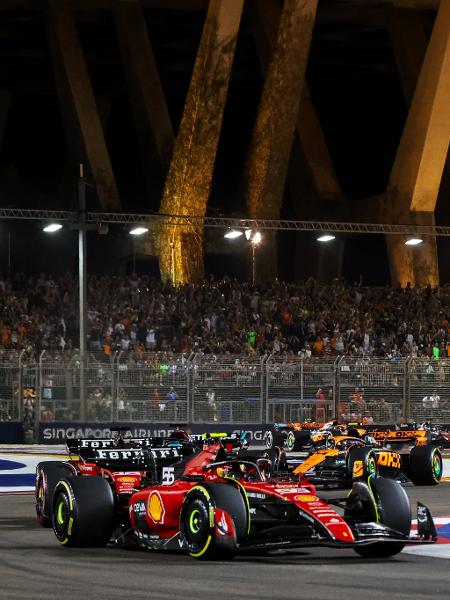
(86,448)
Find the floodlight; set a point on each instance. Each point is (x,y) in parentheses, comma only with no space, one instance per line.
(138,230)
(52,227)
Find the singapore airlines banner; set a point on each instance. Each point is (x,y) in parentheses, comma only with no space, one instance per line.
(57,433)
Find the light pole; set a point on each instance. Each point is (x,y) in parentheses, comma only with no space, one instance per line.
(82,226)
(137,230)
(255,240)
(82,285)
(254,237)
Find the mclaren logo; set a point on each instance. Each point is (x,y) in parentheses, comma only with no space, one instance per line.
(155,508)
(358,469)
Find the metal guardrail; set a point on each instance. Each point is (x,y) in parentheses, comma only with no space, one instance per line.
(167,387)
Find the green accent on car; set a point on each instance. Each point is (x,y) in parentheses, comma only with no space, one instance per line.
(437,464)
(290,441)
(369,481)
(194,521)
(60,516)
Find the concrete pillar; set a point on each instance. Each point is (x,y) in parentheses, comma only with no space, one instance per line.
(273,134)
(417,265)
(416,175)
(265,17)
(409,44)
(81,120)
(153,126)
(189,179)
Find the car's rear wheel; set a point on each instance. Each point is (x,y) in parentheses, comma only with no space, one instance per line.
(274,438)
(425,465)
(198,527)
(83,511)
(48,473)
(383,501)
(301,439)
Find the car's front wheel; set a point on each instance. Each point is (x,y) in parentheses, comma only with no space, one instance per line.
(383,501)
(200,533)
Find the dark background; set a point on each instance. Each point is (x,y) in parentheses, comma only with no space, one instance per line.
(354,84)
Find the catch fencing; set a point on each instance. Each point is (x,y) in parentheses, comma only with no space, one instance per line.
(200,388)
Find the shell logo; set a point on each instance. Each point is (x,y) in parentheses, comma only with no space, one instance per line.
(155,508)
(126,479)
(305,498)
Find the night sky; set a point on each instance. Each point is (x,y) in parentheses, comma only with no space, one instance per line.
(353,81)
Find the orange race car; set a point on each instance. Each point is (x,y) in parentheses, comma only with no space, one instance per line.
(336,455)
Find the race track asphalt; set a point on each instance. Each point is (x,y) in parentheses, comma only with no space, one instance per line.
(34,566)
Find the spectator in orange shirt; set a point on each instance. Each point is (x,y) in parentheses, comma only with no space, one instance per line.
(5,335)
(318,346)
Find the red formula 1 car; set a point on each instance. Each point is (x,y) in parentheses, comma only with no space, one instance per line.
(215,506)
(126,463)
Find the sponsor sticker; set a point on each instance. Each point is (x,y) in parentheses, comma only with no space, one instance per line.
(138,507)
(389,459)
(305,498)
(358,469)
(155,507)
(305,515)
(118,454)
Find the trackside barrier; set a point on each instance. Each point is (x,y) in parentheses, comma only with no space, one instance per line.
(372,389)
(298,389)
(11,433)
(163,387)
(57,433)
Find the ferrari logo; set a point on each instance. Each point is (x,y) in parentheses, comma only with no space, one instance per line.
(155,507)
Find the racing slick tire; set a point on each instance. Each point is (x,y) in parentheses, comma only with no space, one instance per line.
(386,502)
(361,462)
(425,465)
(201,536)
(83,512)
(48,473)
(301,438)
(275,438)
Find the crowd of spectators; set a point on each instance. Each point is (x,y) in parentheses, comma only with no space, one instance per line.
(224,317)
